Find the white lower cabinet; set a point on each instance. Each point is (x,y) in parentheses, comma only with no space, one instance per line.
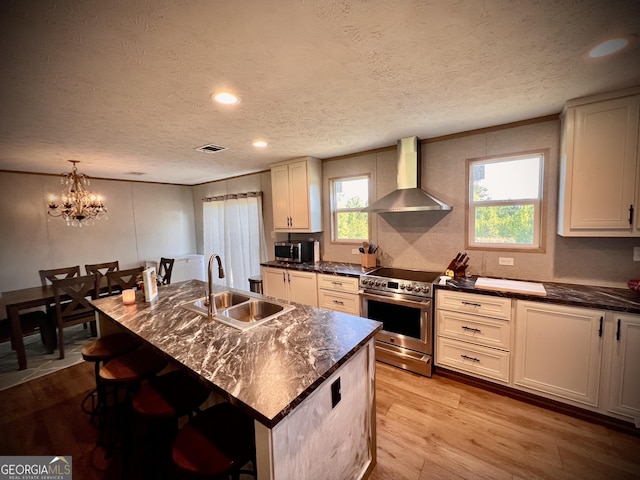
(292,285)
(339,293)
(624,389)
(558,351)
(473,334)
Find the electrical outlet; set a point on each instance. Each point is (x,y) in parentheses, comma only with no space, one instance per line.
(505,260)
(355,251)
(636,254)
(336,393)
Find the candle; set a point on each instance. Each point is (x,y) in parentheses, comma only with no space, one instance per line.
(129,296)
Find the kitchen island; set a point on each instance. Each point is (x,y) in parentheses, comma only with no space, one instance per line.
(307,377)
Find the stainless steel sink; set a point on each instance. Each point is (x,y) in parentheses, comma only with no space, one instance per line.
(238,310)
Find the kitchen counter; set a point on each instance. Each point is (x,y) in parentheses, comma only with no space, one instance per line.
(268,369)
(307,377)
(607,298)
(329,268)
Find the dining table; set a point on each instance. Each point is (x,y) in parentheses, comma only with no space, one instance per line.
(17,301)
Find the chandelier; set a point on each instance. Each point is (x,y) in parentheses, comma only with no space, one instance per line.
(78,206)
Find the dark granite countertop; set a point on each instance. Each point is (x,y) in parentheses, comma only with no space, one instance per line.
(267,370)
(330,268)
(607,298)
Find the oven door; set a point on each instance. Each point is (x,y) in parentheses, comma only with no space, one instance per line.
(406,322)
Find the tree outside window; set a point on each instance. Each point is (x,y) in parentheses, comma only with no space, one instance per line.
(348,196)
(505,202)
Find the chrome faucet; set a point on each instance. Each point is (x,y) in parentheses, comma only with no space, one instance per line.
(211,307)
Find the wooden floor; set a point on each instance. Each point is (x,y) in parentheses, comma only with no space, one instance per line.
(433,428)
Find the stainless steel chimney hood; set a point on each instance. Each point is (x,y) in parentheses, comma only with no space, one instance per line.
(408,197)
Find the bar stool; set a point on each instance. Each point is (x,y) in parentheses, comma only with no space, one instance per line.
(160,403)
(216,444)
(124,375)
(100,351)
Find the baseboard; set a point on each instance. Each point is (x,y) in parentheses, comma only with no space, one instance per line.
(571,410)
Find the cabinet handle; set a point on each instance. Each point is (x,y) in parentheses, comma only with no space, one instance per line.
(469,329)
(284,278)
(470,304)
(336,283)
(338,302)
(465,357)
(289,277)
(600,329)
(630,214)
(618,331)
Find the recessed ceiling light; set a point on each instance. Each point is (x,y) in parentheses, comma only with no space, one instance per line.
(609,47)
(260,143)
(226,98)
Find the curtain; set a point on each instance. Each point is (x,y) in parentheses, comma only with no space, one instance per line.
(234,229)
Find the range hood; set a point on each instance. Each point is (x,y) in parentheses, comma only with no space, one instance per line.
(408,197)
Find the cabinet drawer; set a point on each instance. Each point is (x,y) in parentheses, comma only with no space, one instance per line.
(338,283)
(473,359)
(487,305)
(473,328)
(342,302)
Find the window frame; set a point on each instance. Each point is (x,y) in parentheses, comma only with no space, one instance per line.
(334,211)
(539,204)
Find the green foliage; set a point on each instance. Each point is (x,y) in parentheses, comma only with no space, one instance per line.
(353,225)
(505,224)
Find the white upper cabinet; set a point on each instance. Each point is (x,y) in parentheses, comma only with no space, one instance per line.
(297,195)
(600,166)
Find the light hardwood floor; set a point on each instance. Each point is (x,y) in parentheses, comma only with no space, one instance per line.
(427,428)
(438,428)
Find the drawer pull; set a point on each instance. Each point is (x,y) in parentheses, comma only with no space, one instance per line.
(338,302)
(469,329)
(337,283)
(466,357)
(471,304)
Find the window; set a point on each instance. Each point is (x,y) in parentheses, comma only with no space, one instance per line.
(505,202)
(348,196)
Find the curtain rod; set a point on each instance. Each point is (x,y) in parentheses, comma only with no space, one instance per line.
(231,196)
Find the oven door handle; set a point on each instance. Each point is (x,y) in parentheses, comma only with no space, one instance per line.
(396,300)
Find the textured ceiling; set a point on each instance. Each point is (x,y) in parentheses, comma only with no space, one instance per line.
(124,85)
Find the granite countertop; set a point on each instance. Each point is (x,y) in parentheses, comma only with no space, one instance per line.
(329,268)
(608,298)
(267,370)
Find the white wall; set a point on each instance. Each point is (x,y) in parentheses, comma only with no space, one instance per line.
(428,241)
(145,221)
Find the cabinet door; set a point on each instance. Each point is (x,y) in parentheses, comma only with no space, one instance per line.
(299,195)
(274,282)
(558,350)
(303,287)
(600,168)
(625,366)
(281,196)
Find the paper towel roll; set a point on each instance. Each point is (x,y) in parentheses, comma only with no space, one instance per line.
(316,251)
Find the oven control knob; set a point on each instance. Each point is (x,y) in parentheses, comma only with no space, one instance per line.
(365,281)
(402,286)
(425,288)
(409,287)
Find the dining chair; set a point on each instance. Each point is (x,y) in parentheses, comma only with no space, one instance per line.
(165,267)
(101,269)
(58,273)
(72,297)
(119,280)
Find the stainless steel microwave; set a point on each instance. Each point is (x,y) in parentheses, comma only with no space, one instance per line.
(298,252)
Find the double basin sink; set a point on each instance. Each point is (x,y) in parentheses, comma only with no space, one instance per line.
(239,310)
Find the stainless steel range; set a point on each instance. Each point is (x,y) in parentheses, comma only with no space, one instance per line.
(402,301)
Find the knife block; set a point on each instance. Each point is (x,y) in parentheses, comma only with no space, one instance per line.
(368,260)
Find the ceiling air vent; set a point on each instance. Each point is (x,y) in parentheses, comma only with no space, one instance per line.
(211,148)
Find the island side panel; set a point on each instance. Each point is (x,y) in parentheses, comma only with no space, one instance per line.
(318,441)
